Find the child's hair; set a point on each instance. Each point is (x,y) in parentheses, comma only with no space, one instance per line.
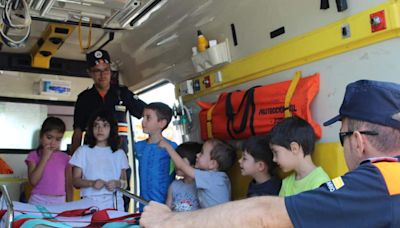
(113,139)
(258,148)
(189,150)
(293,129)
(52,123)
(223,153)
(163,111)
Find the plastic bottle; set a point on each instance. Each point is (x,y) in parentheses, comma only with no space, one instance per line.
(202,42)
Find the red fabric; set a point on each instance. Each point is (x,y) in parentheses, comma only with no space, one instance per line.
(78,212)
(101,217)
(269,109)
(5,168)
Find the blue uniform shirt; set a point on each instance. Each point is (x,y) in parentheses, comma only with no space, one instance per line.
(369,196)
(154,170)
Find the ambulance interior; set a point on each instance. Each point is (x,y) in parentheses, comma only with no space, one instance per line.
(154,42)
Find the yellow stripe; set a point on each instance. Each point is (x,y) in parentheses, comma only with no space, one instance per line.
(391,173)
(290,92)
(303,50)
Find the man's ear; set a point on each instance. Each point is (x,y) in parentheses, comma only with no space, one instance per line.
(295,147)
(359,143)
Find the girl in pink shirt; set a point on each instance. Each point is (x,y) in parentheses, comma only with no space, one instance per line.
(48,170)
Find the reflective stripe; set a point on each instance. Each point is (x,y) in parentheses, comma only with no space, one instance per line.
(391,173)
(122,129)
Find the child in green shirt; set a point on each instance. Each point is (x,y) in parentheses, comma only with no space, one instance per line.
(292,142)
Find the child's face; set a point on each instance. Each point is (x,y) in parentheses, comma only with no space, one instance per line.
(248,166)
(203,159)
(283,157)
(101,131)
(179,172)
(51,140)
(150,122)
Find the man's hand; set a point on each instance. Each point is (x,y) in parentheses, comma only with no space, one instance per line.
(155,215)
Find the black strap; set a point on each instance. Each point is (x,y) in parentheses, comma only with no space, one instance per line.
(248,100)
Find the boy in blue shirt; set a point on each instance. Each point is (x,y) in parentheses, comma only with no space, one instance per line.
(154,162)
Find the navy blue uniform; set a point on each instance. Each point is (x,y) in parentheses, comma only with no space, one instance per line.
(90,100)
(369,196)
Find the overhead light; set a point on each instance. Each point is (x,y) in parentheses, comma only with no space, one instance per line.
(100,2)
(38,5)
(46,7)
(123,15)
(168,39)
(145,14)
(136,22)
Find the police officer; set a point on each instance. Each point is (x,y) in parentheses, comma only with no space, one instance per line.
(367,196)
(118,99)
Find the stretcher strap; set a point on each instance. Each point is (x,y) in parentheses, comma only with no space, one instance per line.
(44,211)
(290,92)
(209,122)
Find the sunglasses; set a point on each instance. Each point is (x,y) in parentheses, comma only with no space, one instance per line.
(342,135)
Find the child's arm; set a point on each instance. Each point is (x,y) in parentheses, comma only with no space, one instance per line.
(81,183)
(35,171)
(179,162)
(169,197)
(121,183)
(69,190)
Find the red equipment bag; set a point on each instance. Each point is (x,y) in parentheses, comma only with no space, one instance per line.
(240,114)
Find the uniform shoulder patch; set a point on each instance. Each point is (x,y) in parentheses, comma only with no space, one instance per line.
(335,184)
(391,174)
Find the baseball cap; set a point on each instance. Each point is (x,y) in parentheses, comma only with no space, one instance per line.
(372,101)
(95,57)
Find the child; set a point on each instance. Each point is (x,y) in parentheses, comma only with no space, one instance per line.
(155,171)
(100,166)
(256,161)
(292,142)
(212,183)
(48,169)
(182,195)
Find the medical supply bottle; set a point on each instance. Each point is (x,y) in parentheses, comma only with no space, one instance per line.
(202,42)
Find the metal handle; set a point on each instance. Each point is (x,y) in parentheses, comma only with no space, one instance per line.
(10,208)
(133,196)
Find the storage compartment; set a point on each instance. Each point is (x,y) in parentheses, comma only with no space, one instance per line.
(212,58)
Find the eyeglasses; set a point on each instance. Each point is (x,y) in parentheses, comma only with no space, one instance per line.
(342,135)
(98,72)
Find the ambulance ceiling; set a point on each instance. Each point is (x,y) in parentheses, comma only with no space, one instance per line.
(150,37)
(117,14)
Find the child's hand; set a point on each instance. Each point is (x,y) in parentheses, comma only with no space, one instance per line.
(98,184)
(46,151)
(110,185)
(164,144)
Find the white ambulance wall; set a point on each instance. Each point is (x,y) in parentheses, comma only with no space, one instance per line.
(21,85)
(376,62)
(143,62)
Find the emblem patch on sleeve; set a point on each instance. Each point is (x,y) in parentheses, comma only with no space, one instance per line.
(335,184)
